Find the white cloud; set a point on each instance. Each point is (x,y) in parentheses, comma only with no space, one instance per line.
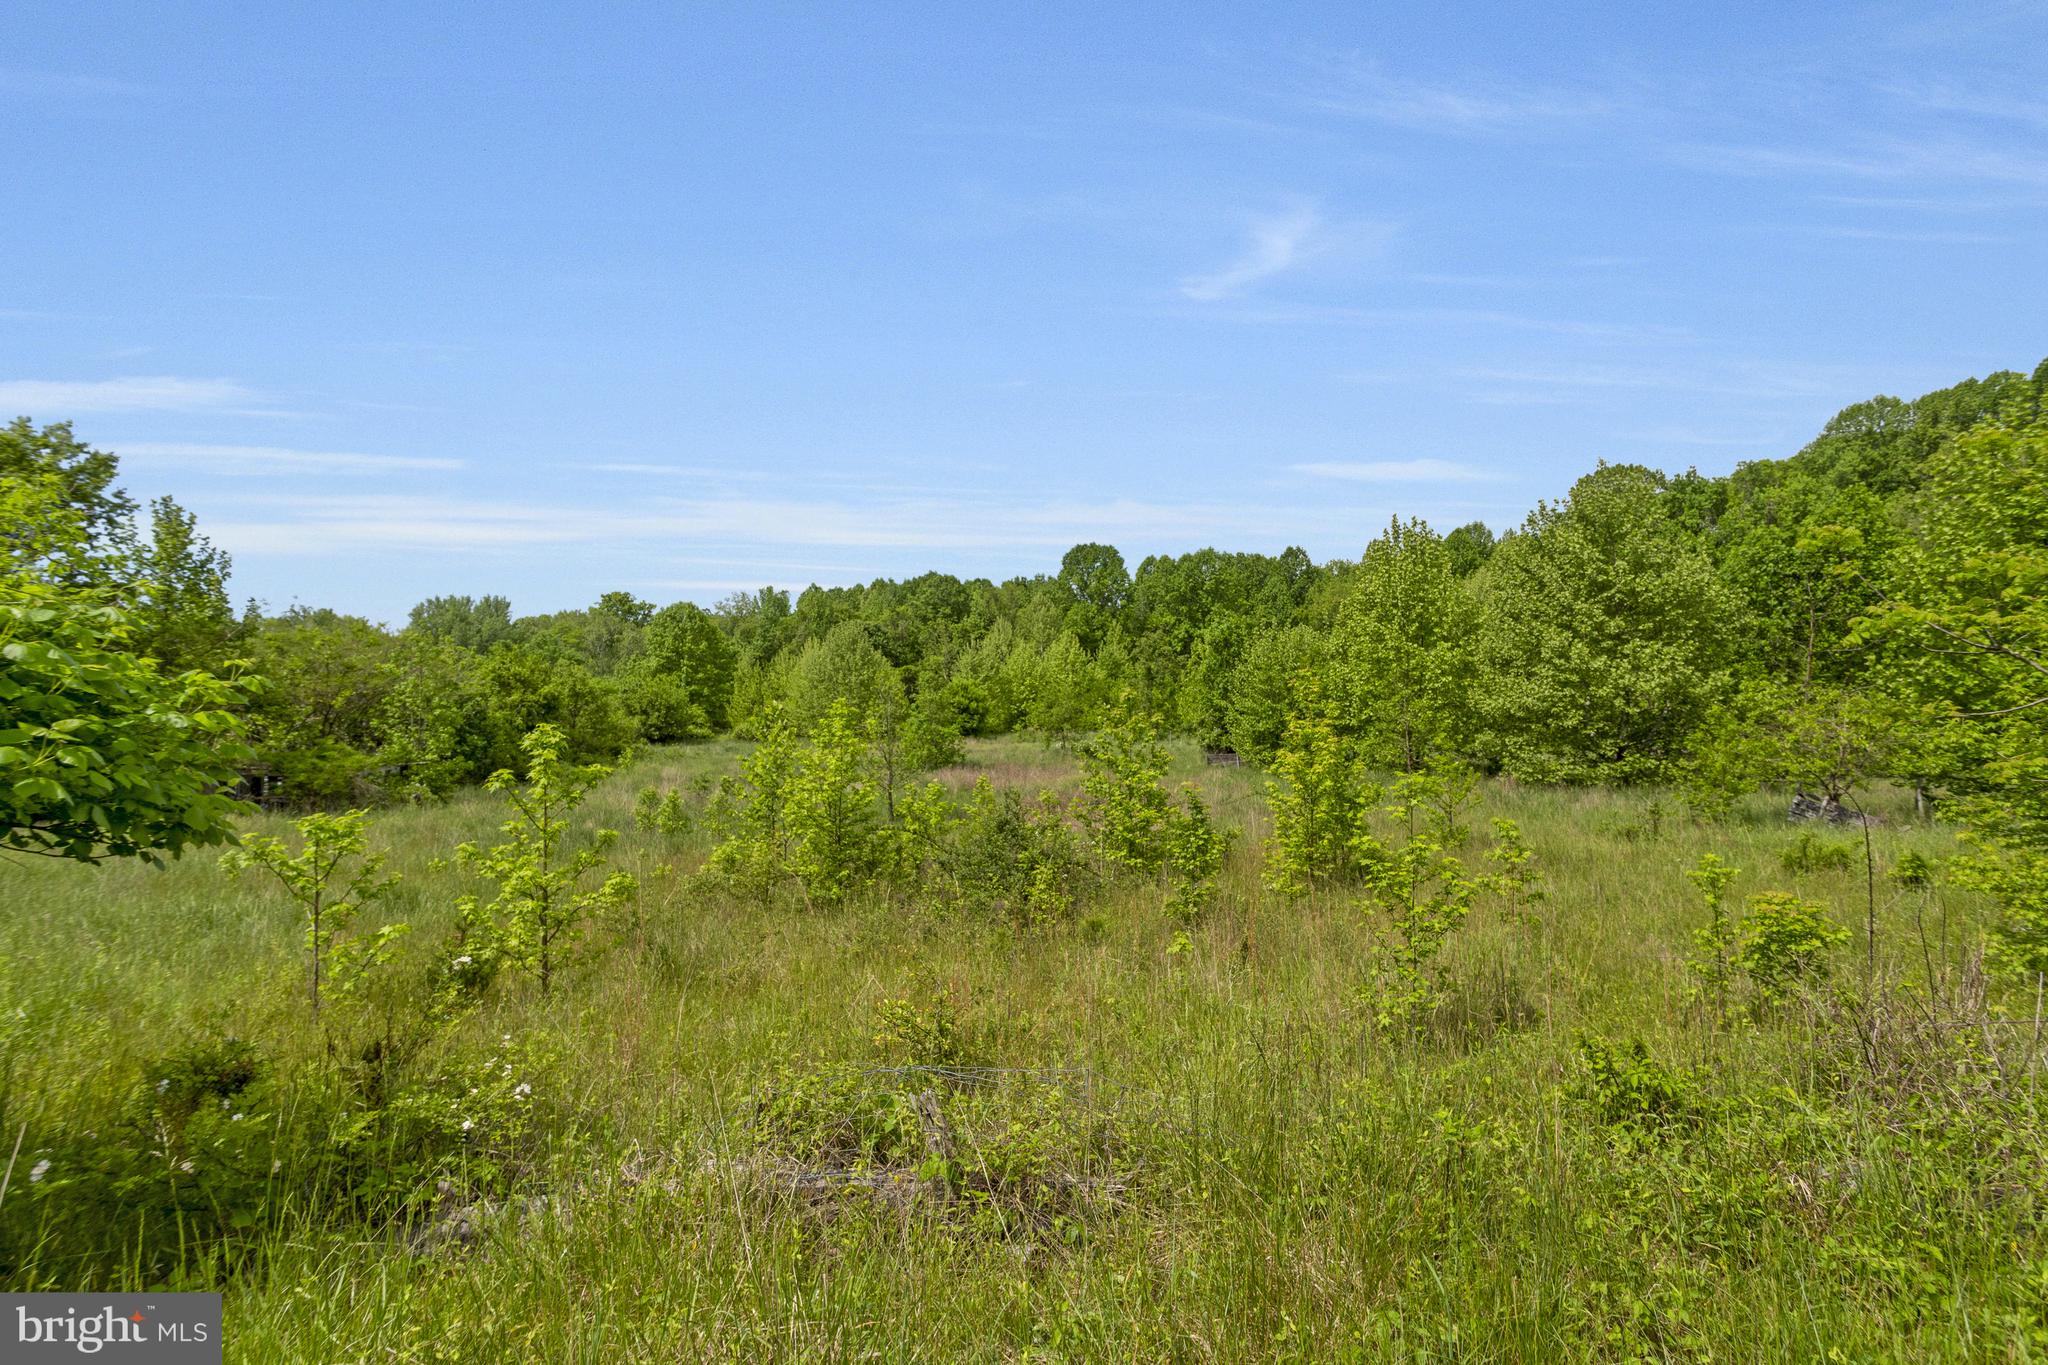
(1275,244)
(1359,89)
(1390,471)
(232,459)
(311,524)
(55,399)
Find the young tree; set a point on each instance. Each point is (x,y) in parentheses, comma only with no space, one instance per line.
(1320,804)
(831,809)
(1126,807)
(329,892)
(541,899)
(1405,638)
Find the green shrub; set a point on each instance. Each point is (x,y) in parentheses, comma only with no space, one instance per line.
(1784,942)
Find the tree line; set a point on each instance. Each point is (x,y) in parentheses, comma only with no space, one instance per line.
(1873,592)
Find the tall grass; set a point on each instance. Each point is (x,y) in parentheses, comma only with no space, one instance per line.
(1849,1179)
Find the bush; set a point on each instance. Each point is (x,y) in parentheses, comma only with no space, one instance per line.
(1784,942)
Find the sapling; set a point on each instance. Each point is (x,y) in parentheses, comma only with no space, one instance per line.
(331,878)
(1425,894)
(1319,807)
(1784,941)
(1123,780)
(1194,854)
(541,901)
(831,809)
(1515,878)
(1713,961)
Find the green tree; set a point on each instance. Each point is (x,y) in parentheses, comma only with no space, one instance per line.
(181,609)
(331,878)
(1966,638)
(1125,803)
(102,754)
(69,474)
(1605,638)
(831,809)
(1405,638)
(541,899)
(1320,801)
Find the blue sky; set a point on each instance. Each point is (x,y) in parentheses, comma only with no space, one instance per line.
(549,300)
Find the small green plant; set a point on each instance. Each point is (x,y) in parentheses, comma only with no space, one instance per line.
(922,1028)
(1809,853)
(1628,1089)
(1515,878)
(1125,805)
(1713,961)
(659,812)
(748,815)
(1319,807)
(1422,894)
(541,902)
(331,878)
(1194,854)
(832,810)
(1438,797)
(1784,942)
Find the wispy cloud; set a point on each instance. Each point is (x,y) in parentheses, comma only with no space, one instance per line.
(260,460)
(307,524)
(1929,159)
(1362,89)
(58,398)
(1274,245)
(1390,471)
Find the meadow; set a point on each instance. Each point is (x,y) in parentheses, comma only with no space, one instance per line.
(886,1129)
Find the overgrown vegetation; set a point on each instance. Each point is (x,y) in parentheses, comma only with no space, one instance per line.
(1494,1009)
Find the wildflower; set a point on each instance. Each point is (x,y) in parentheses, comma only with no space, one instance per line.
(468,1124)
(185,1166)
(163,1085)
(463,961)
(522,1089)
(39,1170)
(234,1118)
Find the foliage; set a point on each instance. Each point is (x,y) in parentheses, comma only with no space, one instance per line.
(1606,636)
(1783,942)
(540,903)
(1810,853)
(749,815)
(1123,780)
(331,878)
(1319,807)
(101,753)
(1405,637)
(1194,849)
(1714,943)
(1418,895)
(830,810)
(1628,1088)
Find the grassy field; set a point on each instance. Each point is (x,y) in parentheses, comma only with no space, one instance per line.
(1240,1166)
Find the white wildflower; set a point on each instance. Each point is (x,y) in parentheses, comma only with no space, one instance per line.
(522,1089)
(234,1118)
(468,1124)
(463,961)
(39,1170)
